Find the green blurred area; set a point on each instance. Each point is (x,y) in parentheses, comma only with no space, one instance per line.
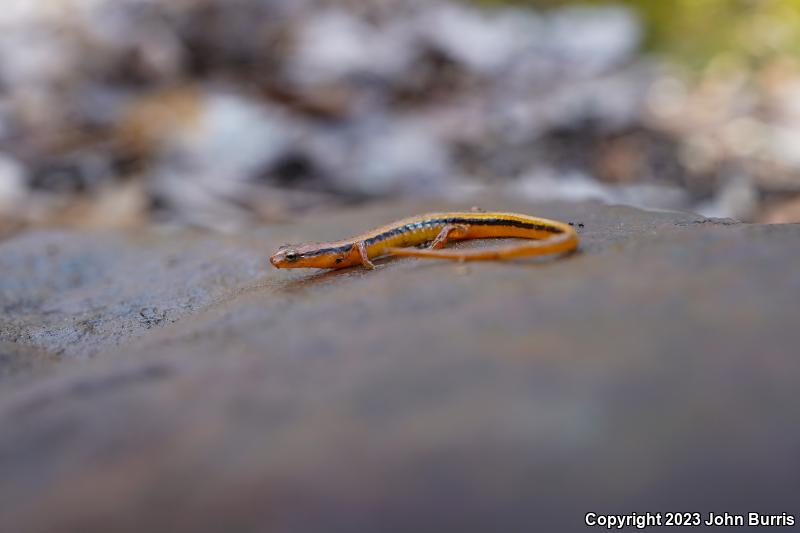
(694,32)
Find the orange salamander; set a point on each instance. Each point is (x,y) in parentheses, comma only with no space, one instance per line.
(399,238)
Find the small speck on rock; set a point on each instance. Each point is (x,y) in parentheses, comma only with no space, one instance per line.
(151,316)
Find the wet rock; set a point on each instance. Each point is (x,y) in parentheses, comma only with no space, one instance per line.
(74,294)
(653,369)
(18,360)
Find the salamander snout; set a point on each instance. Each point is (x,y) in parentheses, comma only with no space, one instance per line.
(285,258)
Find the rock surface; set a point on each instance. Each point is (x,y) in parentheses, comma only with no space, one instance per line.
(172,382)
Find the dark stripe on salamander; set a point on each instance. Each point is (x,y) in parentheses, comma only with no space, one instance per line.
(456,220)
(437,222)
(323,251)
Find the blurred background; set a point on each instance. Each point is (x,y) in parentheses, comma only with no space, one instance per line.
(228,113)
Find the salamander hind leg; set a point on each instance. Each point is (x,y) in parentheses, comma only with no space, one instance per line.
(450,231)
(362,254)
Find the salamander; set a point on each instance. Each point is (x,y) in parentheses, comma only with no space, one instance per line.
(400,239)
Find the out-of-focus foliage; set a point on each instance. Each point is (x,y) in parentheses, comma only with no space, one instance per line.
(695,32)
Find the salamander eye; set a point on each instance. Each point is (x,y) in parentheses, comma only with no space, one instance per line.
(292,256)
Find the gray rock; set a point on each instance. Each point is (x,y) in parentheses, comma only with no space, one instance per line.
(74,294)
(655,370)
(21,360)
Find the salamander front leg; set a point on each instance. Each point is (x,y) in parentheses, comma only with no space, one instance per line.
(362,254)
(450,231)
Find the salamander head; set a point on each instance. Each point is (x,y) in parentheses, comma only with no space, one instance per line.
(288,256)
(303,256)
